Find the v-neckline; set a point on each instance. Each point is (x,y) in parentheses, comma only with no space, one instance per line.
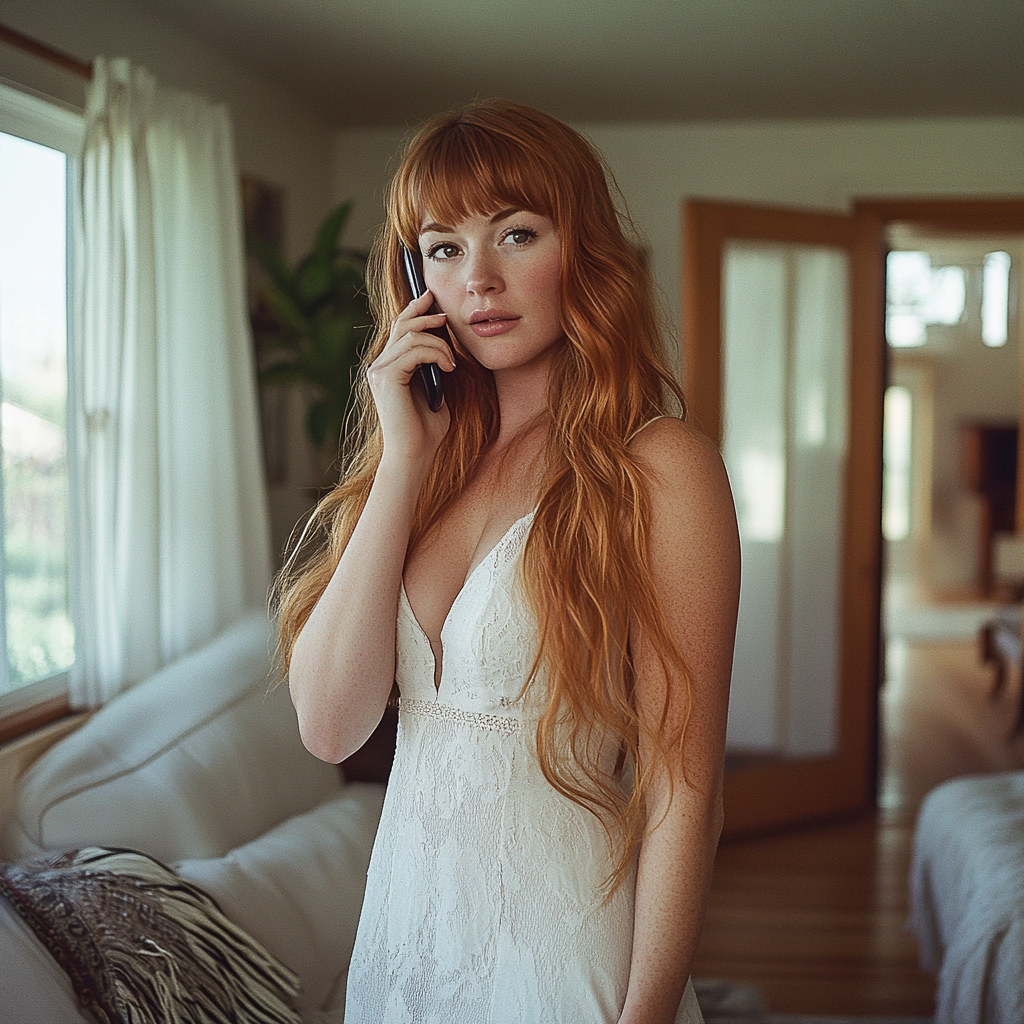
(465,583)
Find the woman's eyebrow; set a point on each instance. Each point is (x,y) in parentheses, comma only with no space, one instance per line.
(502,214)
(448,229)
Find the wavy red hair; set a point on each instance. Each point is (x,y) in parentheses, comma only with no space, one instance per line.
(585,569)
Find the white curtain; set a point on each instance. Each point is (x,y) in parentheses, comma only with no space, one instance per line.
(174,534)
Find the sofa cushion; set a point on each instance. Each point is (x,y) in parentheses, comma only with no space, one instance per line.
(298,889)
(33,988)
(192,762)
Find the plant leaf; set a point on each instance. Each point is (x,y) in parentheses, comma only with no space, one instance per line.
(315,280)
(331,227)
(314,275)
(334,339)
(285,310)
(280,375)
(272,262)
(324,315)
(317,422)
(348,285)
(359,255)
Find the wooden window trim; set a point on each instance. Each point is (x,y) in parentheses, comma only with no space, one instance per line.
(22,722)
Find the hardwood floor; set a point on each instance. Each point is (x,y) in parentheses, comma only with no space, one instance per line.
(816,918)
(940,720)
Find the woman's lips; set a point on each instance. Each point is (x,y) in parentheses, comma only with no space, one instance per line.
(492,323)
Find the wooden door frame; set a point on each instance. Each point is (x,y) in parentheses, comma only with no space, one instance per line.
(862,555)
(785,792)
(975,216)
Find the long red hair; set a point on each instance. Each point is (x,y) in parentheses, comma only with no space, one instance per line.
(585,569)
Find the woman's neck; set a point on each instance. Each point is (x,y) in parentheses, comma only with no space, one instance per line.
(522,401)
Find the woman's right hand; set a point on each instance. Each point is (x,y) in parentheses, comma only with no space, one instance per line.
(410,429)
(343,660)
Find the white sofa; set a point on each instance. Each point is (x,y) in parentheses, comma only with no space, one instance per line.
(201,768)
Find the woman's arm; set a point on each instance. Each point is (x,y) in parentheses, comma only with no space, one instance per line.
(343,662)
(694,549)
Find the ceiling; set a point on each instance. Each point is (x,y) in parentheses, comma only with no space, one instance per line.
(387,62)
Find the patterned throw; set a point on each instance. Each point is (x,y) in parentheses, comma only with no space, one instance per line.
(142,946)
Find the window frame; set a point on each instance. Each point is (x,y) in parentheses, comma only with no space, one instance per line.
(56,125)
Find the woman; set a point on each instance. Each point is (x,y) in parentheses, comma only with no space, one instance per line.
(548,566)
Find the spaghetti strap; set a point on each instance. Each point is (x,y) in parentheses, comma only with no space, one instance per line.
(653,419)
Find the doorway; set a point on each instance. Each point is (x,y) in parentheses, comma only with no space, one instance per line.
(851,872)
(778,786)
(951,412)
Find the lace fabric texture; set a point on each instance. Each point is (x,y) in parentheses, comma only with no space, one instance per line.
(484,900)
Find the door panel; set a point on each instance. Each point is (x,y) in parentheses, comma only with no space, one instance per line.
(785,338)
(772,357)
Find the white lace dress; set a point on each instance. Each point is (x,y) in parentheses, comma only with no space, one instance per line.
(482,901)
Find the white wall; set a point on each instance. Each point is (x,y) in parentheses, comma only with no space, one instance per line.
(277,139)
(364,160)
(822,164)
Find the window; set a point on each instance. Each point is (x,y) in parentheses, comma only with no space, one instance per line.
(976,295)
(39,142)
(995,299)
(918,295)
(897,444)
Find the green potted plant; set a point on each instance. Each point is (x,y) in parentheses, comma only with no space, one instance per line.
(317,317)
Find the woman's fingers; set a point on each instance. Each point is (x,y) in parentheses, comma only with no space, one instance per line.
(416,316)
(426,322)
(399,364)
(425,346)
(418,305)
(411,430)
(409,334)
(406,421)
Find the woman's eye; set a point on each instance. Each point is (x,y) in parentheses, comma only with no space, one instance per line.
(443,251)
(519,236)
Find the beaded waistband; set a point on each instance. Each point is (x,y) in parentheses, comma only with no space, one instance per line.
(499,723)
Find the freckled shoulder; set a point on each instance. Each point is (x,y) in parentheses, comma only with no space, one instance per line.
(695,558)
(677,453)
(691,499)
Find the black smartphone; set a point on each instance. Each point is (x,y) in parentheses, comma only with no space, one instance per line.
(430,373)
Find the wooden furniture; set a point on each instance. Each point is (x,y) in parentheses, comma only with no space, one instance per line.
(1002,646)
(990,471)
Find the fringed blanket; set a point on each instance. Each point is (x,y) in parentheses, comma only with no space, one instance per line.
(142,946)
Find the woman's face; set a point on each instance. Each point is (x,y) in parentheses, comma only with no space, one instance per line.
(497,278)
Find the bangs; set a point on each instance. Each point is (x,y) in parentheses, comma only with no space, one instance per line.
(465,169)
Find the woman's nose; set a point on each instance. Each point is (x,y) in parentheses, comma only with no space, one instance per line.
(483,275)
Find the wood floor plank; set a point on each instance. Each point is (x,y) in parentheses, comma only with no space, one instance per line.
(817,918)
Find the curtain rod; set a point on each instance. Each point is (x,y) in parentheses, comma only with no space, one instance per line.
(47,53)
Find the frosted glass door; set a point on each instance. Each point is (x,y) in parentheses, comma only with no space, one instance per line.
(785,345)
